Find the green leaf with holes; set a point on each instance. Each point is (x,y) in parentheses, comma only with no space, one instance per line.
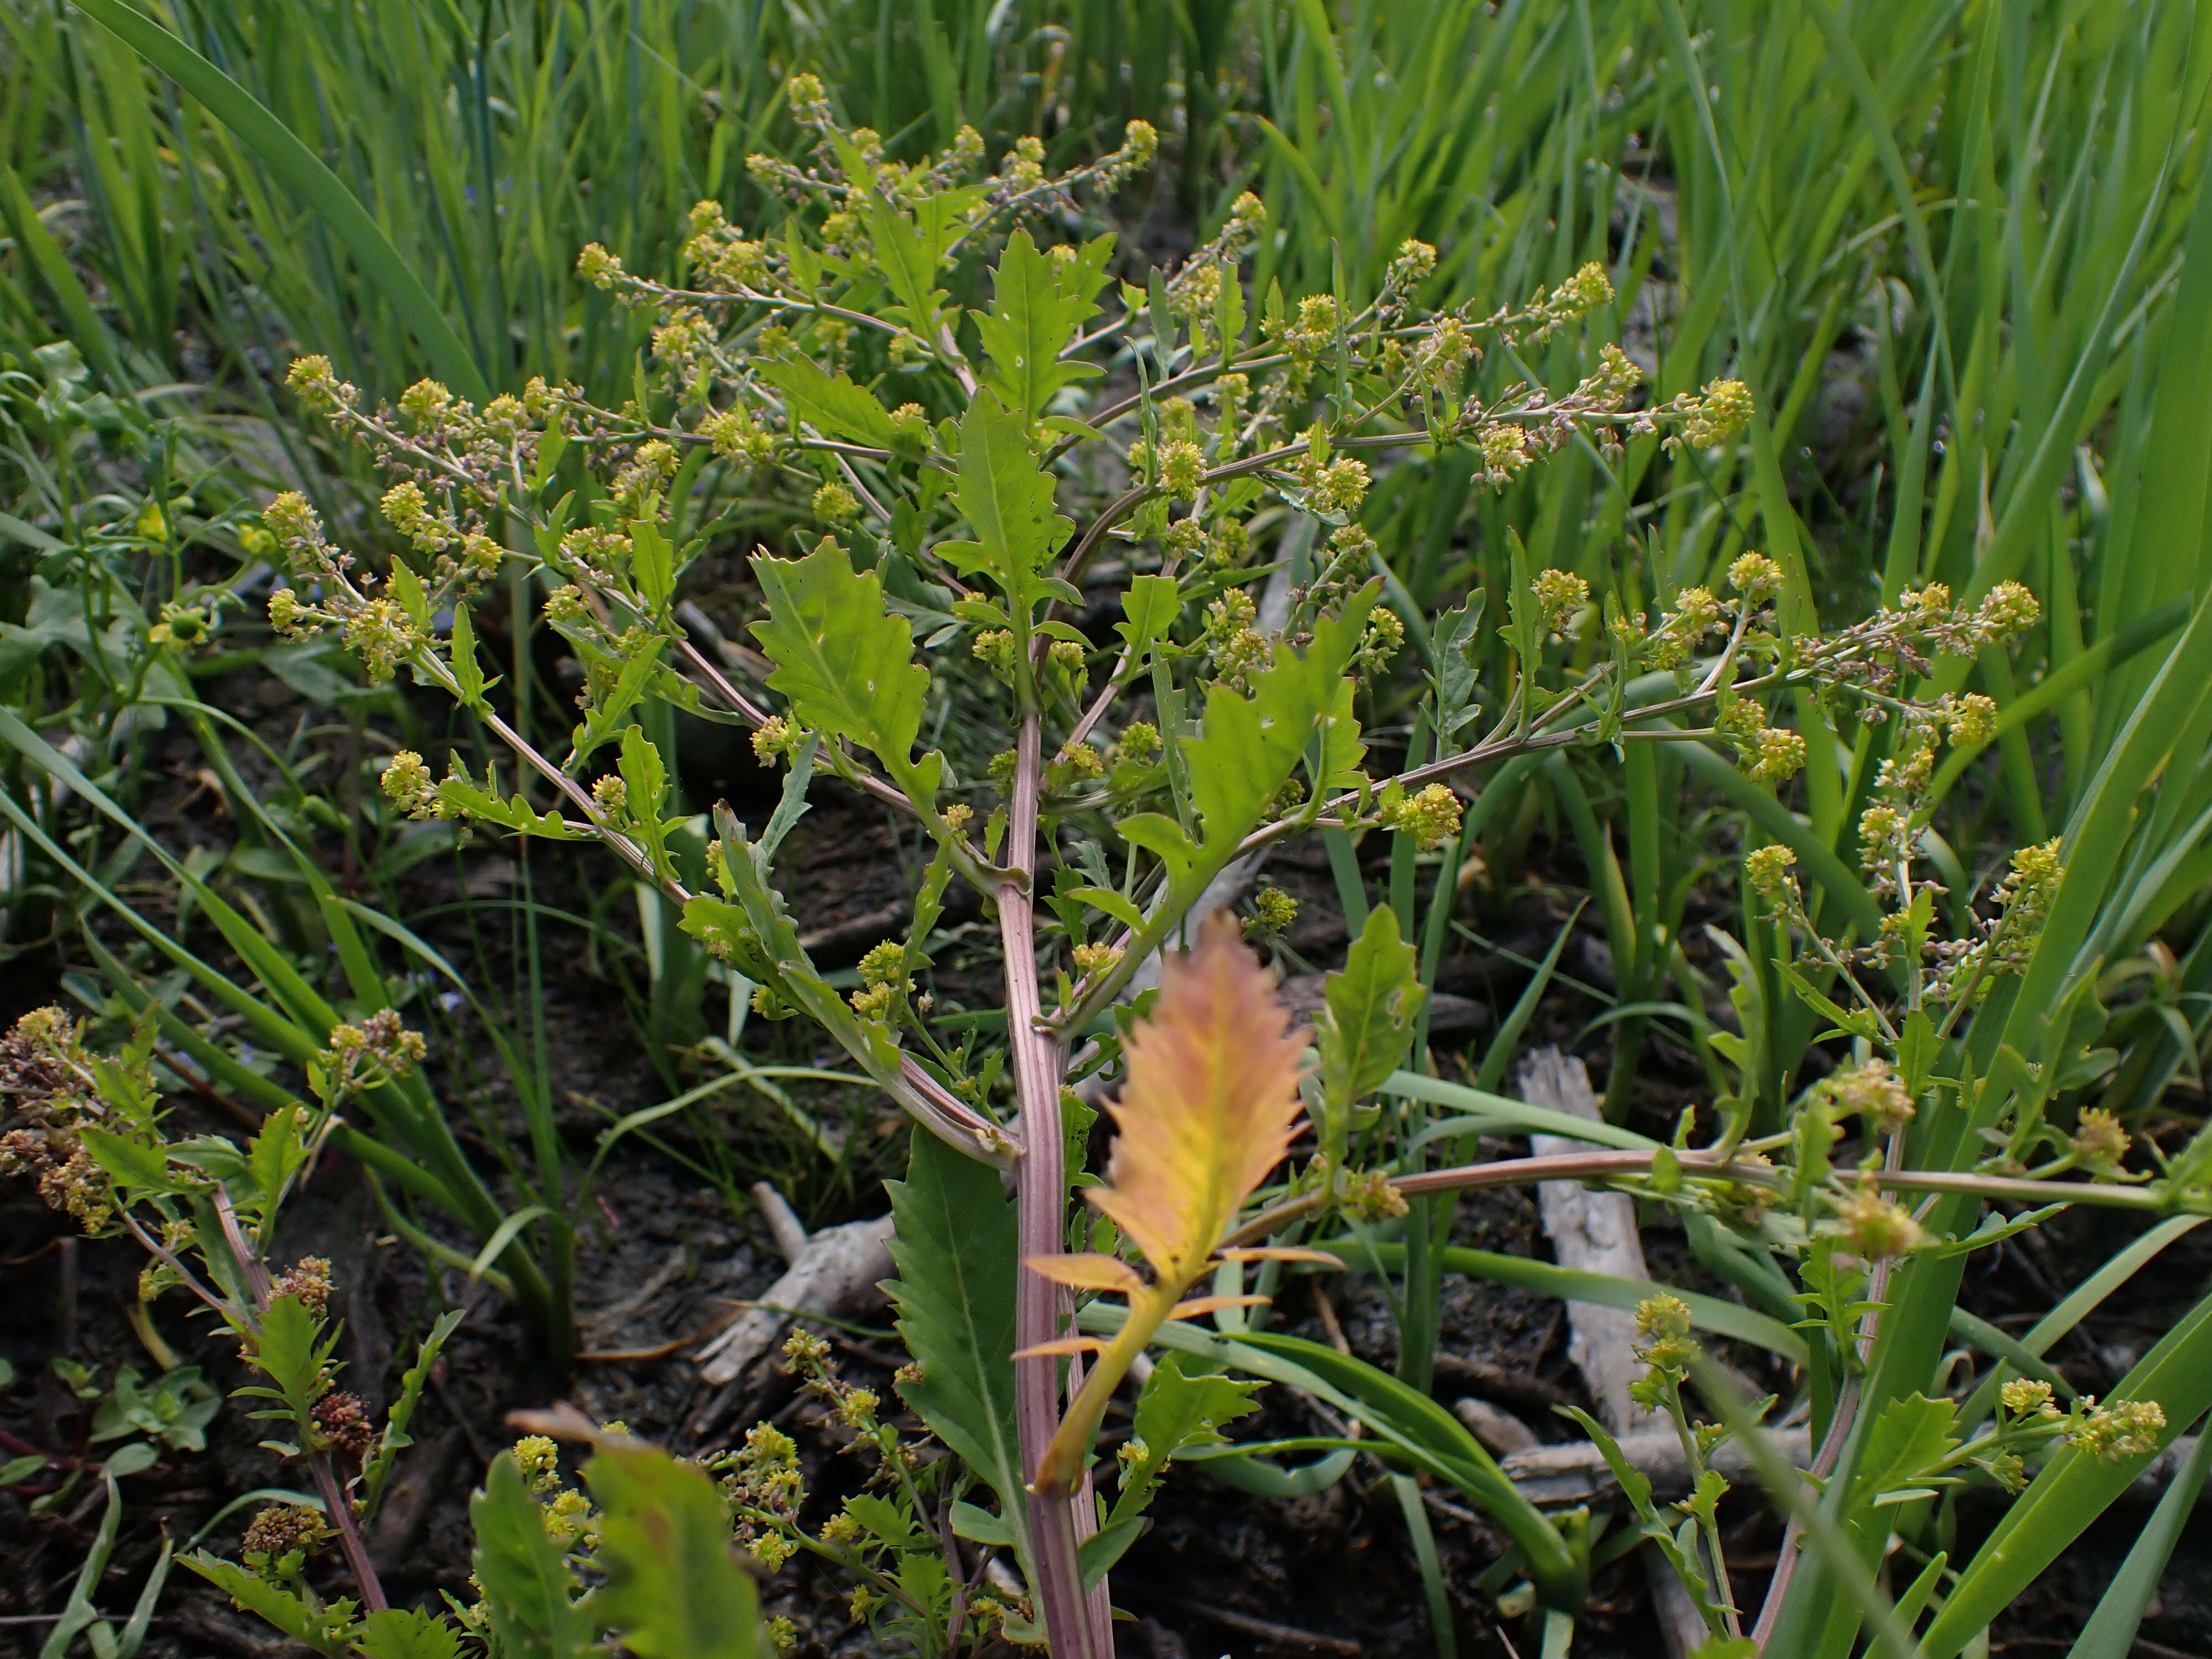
(1037,304)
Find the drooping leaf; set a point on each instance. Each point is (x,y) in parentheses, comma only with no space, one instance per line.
(1397,1410)
(1371,1006)
(523,1571)
(1089,1270)
(1208,1105)
(845,661)
(674,1589)
(1036,306)
(327,1628)
(832,403)
(1181,1407)
(954,1245)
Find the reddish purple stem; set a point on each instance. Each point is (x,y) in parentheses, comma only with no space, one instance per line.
(1076,1624)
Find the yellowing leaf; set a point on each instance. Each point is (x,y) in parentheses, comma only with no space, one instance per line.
(1209,1107)
(1280,1253)
(1088,1272)
(1059,1345)
(1199,1306)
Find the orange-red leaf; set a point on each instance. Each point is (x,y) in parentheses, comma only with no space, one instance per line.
(1209,1106)
(1063,1345)
(1280,1253)
(1089,1271)
(1199,1306)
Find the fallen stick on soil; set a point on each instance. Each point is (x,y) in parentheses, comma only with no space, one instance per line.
(1576,1473)
(784,1225)
(828,1272)
(1500,1432)
(1595,1232)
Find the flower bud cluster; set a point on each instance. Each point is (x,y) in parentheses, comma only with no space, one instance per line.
(279,1539)
(1711,417)
(309,1279)
(1873,1228)
(1868,1090)
(1664,1344)
(48,1094)
(1237,648)
(884,980)
(380,1047)
(2114,1433)
(1430,814)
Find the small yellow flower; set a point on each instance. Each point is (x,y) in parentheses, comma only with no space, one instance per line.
(1768,867)
(1873,1227)
(2024,1396)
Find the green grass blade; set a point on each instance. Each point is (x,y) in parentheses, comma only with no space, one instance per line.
(1514,1116)
(1707,1313)
(2073,1489)
(282,152)
(2110,1631)
(1434,1589)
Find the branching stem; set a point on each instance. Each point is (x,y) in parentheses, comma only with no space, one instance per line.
(1602,1166)
(337,1507)
(1040,1198)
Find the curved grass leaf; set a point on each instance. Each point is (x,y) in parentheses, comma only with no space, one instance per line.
(2074,1490)
(280,151)
(1707,1313)
(2110,1631)
(1484,1111)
